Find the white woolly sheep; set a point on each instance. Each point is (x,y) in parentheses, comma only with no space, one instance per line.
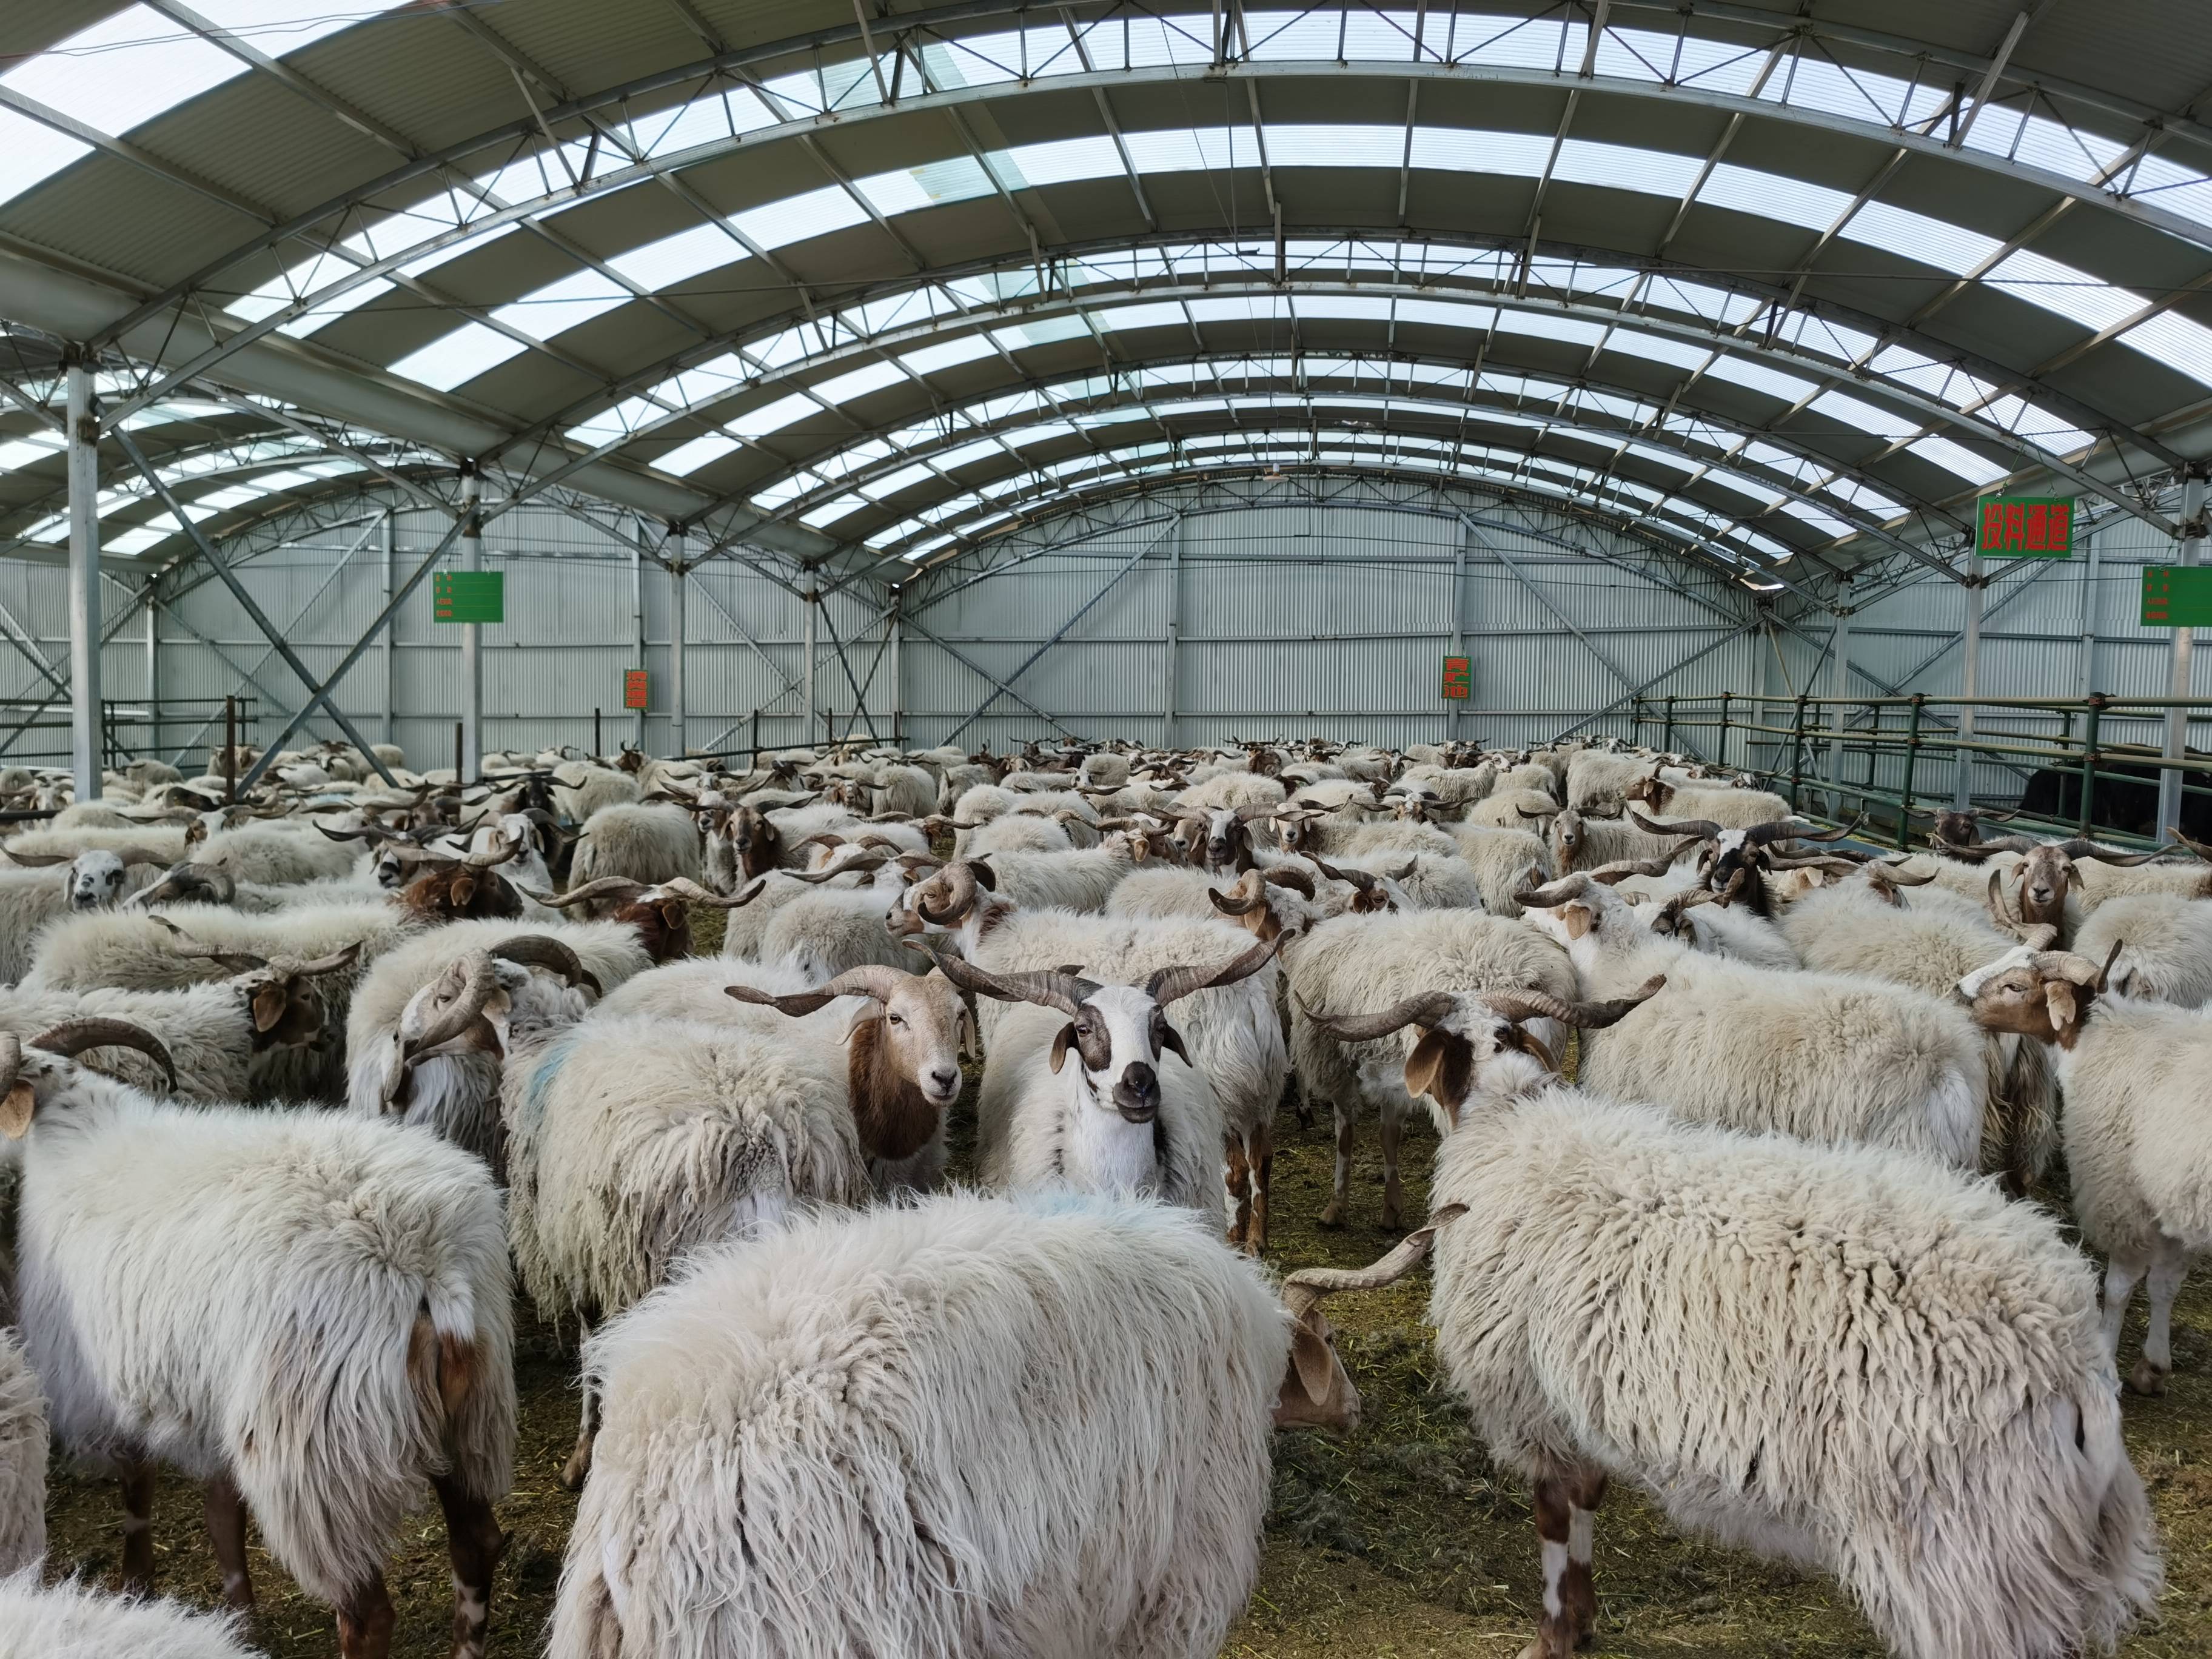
(277,855)
(1502,859)
(1512,809)
(1598,783)
(22,1462)
(2134,1076)
(2164,942)
(1066,1401)
(1849,1357)
(1825,1057)
(648,843)
(32,898)
(364,1269)
(68,1622)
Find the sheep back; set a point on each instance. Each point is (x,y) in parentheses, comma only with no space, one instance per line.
(2138,1138)
(22,1460)
(649,844)
(69,1621)
(971,1428)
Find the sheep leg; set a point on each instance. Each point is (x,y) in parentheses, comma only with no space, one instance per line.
(365,1620)
(588,1428)
(476,1543)
(137,1527)
(2120,1277)
(1333,1216)
(2155,1364)
(1559,1634)
(1237,1175)
(226,1529)
(1577,1590)
(1393,1198)
(1263,1179)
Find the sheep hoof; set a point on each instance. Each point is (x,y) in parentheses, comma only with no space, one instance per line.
(2148,1380)
(574,1471)
(1331,1218)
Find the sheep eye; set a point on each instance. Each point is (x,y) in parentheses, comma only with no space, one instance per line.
(898,1019)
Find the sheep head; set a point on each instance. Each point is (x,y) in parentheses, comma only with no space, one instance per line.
(1317,1392)
(2041,993)
(465,1009)
(90,881)
(1267,903)
(1471,1039)
(30,1076)
(1120,1032)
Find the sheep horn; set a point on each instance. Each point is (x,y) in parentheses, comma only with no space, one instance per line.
(1062,991)
(1517,1006)
(1422,1008)
(2202,849)
(1615,873)
(957,883)
(1978,852)
(1685,829)
(1242,899)
(2078,848)
(614,887)
(477,983)
(1526,813)
(1305,1287)
(340,959)
(238,962)
(869,980)
(862,865)
(1793,829)
(366,832)
(1363,879)
(36,860)
(184,880)
(73,1036)
(542,950)
(691,892)
(2078,969)
(1171,984)
(1566,891)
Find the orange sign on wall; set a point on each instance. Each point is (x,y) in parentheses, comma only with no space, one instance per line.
(633,688)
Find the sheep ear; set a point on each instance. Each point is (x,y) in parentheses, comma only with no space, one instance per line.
(15,1110)
(1311,1357)
(2059,998)
(985,876)
(1441,1066)
(269,1003)
(1579,919)
(971,1041)
(1171,1043)
(1060,1045)
(1530,1043)
(464,888)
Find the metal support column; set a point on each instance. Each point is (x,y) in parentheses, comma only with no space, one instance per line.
(1458,627)
(1839,686)
(392,628)
(1970,675)
(153,745)
(2090,607)
(1173,640)
(677,735)
(813,601)
(471,759)
(637,617)
(83,580)
(2178,680)
(898,689)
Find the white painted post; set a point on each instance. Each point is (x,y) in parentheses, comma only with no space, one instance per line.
(2179,678)
(1839,685)
(1452,705)
(2089,620)
(1970,676)
(813,601)
(84,607)
(1174,637)
(153,675)
(677,735)
(898,690)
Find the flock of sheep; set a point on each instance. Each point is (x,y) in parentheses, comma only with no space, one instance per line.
(293,1091)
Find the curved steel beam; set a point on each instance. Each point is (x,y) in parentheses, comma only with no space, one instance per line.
(2084,192)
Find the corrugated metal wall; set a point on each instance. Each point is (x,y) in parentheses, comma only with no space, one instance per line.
(1292,617)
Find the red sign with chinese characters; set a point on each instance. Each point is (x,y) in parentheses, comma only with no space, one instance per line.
(2025,528)
(1455,678)
(633,688)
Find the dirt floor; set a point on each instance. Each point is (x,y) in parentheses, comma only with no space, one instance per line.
(1398,1542)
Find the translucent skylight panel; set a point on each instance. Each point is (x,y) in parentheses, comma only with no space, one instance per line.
(2165,183)
(2059,288)
(1294,36)
(1741,371)
(221,500)
(1699,299)
(859,382)
(1916,237)
(1818,84)
(1191,149)
(1543,327)
(702,451)
(796,218)
(1158,314)
(1513,42)
(1462,149)
(447,361)
(135,541)
(905,478)
(1334,146)
(2175,341)
(1952,457)
(31,152)
(23,452)
(963,349)
(124,71)
(911,190)
(1718,65)
(1058,162)
(968,453)
(1827,523)
(1444,313)
(829,512)
(1865,417)
(773,416)
(558,306)
(678,258)
(1273,308)
(1622,167)
(1679,353)
(1773,195)
(278,27)
(1043,331)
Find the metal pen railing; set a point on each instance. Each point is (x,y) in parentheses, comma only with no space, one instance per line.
(2078,778)
(130,727)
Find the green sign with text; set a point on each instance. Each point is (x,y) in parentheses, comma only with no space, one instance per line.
(1455,678)
(468,595)
(2177,595)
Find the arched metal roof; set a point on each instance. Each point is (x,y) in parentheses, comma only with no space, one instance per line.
(1794,282)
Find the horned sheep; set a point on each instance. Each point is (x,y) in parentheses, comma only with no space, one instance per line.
(1959,1466)
(646,843)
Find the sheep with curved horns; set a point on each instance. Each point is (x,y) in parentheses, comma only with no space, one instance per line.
(728,1515)
(1618,1294)
(363,1268)
(32,896)
(1731,808)
(2164,947)
(633,1139)
(1119,1120)
(1868,924)
(283,854)
(1825,1057)
(1233,1031)
(2039,887)
(1579,840)
(2102,880)
(659,913)
(1700,918)
(649,844)
(827,930)
(2133,1074)
(1351,958)
(752,910)
(450,1085)
(1728,849)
